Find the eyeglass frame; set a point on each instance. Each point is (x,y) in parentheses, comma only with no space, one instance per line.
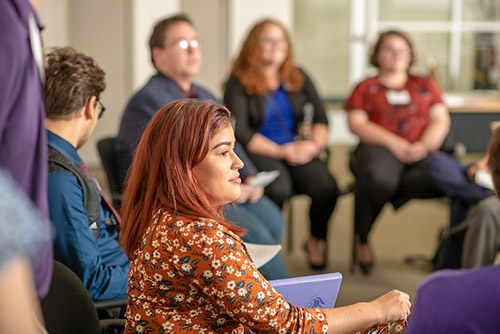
(395,51)
(272,41)
(184,44)
(102,110)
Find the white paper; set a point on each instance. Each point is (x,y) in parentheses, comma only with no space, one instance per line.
(262,254)
(484,179)
(454,100)
(265,178)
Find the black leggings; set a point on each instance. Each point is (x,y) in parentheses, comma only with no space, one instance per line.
(312,179)
(382,178)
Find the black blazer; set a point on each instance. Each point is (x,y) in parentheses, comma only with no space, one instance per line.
(250,109)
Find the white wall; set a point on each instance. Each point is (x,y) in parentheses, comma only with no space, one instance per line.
(144,15)
(209,18)
(55,18)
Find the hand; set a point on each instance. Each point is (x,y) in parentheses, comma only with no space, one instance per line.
(471,172)
(481,164)
(300,152)
(246,192)
(400,147)
(257,193)
(249,193)
(394,305)
(418,151)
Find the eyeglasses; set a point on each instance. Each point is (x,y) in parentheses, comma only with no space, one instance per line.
(102,109)
(184,44)
(393,51)
(271,41)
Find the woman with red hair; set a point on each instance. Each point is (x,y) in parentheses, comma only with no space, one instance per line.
(281,121)
(189,269)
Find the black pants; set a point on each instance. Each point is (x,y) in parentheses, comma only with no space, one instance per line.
(312,179)
(382,178)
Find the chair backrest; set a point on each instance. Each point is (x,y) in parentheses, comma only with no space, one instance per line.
(107,153)
(68,307)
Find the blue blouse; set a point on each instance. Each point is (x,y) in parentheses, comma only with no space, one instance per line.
(279,123)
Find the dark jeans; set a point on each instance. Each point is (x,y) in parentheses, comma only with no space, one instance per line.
(451,179)
(312,179)
(382,178)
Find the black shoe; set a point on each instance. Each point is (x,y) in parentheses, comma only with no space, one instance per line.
(316,266)
(365,268)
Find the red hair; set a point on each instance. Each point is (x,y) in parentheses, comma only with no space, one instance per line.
(174,142)
(248,67)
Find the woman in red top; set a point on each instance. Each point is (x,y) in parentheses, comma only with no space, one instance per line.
(399,118)
(190,272)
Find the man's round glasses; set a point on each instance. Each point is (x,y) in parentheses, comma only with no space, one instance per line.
(184,44)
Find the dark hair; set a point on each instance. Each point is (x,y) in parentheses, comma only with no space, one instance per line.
(248,66)
(157,37)
(71,79)
(381,40)
(174,142)
(494,158)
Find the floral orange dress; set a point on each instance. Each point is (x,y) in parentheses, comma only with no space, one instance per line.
(197,277)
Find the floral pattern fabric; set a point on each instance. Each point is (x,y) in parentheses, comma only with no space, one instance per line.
(192,276)
(396,327)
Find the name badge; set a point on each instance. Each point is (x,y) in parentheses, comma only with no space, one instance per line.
(399,97)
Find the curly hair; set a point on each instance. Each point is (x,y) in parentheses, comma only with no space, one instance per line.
(72,78)
(248,67)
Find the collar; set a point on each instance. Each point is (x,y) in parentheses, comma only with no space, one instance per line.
(63,146)
(192,93)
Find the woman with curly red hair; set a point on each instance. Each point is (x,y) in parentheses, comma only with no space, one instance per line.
(281,121)
(189,269)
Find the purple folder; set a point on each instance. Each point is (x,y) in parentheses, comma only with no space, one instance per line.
(310,291)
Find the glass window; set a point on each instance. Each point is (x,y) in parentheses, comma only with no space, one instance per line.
(421,10)
(481,10)
(322,42)
(479,68)
(432,53)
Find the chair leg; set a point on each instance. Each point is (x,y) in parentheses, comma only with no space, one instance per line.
(353,251)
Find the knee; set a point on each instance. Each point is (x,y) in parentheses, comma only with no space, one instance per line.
(259,233)
(486,213)
(279,192)
(376,182)
(326,191)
